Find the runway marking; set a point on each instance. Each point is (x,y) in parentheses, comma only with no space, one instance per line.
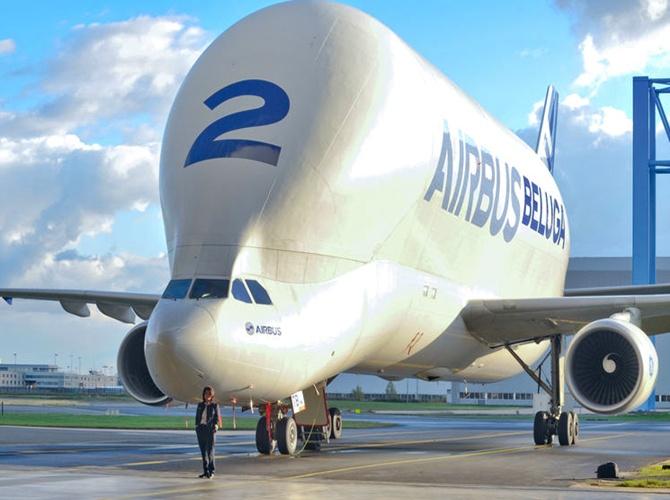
(391,431)
(173,460)
(404,462)
(491,451)
(381,444)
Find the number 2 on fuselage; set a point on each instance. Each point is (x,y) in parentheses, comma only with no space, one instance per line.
(275,107)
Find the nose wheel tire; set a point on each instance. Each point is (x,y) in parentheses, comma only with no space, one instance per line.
(263,441)
(287,436)
(335,423)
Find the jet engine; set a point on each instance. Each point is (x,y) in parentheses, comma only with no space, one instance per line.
(133,370)
(611,366)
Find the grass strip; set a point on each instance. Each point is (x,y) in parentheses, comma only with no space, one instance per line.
(166,422)
(651,476)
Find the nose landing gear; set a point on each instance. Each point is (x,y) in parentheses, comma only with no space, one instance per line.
(277,430)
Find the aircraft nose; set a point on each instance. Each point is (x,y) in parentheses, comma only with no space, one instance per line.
(181,345)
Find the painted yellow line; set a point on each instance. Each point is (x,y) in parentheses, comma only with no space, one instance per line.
(150,462)
(172,460)
(609,436)
(491,451)
(390,433)
(242,443)
(382,444)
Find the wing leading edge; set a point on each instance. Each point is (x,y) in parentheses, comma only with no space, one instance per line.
(122,306)
(507,321)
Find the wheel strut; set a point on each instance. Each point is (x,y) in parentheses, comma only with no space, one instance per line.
(555,421)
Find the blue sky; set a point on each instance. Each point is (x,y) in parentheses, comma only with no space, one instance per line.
(85,89)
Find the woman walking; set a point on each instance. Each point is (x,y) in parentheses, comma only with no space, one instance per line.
(207,422)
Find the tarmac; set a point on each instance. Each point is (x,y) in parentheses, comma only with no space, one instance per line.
(420,457)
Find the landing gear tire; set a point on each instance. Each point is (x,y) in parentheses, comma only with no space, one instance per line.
(335,423)
(566,428)
(287,436)
(263,441)
(575,427)
(542,428)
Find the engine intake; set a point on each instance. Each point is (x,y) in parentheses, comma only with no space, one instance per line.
(133,370)
(611,366)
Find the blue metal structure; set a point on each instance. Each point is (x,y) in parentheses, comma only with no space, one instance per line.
(646,104)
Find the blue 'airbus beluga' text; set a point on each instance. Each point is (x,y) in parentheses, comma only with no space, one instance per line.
(493,189)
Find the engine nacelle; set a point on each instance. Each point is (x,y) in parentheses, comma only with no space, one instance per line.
(611,366)
(133,370)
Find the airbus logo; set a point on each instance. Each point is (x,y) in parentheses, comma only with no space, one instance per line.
(262,329)
(249,327)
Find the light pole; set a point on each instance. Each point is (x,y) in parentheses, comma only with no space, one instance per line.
(56,360)
(14,359)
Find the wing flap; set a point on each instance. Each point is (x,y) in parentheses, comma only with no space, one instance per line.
(122,306)
(76,307)
(505,321)
(119,312)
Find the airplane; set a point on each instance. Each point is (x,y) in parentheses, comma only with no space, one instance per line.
(333,203)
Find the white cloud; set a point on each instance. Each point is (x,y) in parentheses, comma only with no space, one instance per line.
(105,74)
(610,121)
(56,185)
(130,66)
(655,8)
(639,55)
(619,38)
(7,46)
(57,188)
(575,101)
(533,116)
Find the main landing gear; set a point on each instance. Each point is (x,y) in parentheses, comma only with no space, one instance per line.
(277,430)
(555,422)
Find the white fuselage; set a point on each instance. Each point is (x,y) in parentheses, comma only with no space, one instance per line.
(311,150)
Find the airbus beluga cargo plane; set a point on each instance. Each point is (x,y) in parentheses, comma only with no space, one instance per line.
(333,203)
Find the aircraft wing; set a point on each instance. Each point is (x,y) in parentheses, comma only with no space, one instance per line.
(122,306)
(508,321)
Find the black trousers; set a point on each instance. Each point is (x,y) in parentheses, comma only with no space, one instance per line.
(206,441)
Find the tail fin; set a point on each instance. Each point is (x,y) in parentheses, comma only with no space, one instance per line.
(546,139)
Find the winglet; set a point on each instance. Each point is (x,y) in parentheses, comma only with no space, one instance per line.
(9,300)
(546,139)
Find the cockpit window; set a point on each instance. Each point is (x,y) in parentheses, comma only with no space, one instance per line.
(176,289)
(210,289)
(240,291)
(259,293)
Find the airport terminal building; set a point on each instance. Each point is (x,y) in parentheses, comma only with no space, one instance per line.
(45,377)
(583,272)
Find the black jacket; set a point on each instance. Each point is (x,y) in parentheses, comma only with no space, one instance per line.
(213,414)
